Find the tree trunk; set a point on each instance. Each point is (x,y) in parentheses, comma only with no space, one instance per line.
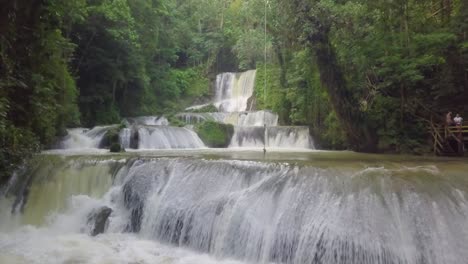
(359,134)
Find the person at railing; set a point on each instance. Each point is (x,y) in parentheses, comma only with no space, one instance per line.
(458,120)
(448,119)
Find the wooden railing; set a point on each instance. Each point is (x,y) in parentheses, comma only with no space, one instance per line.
(443,134)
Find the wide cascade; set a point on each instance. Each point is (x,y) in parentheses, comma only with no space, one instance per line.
(236,211)
(147,132)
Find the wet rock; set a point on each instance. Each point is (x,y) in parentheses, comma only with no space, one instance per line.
(98,220)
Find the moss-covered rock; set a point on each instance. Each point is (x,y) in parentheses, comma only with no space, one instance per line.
(215,135)
(115,147)
(111,137)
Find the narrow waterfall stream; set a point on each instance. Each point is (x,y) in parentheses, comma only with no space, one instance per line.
(198,210)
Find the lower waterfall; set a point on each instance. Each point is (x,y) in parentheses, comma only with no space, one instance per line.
(83,138)
(250,211)
(163,137)
(276,137)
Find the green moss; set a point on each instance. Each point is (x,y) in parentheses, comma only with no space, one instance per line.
(215,135)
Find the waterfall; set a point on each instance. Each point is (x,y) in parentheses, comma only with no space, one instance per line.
(83,138)
(233,91)
(161,137)
(125,136)
(256,212)
(276,137)
(258,118)
(148,137)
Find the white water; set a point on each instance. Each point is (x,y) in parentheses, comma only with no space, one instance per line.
(258,118)
(276,137)
(125,136)
(199,211)
(233,90)
(83,138)
(149,137)
(162,137)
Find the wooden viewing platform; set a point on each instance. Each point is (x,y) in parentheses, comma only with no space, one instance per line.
(449,140)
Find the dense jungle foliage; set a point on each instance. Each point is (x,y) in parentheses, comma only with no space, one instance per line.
(366,75)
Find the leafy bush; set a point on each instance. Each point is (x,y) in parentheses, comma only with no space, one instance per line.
(215,135)
(206,109)
(16,145)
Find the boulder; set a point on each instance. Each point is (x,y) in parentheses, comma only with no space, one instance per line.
(98,220)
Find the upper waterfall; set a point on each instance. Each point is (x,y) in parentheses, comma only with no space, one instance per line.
(233,90)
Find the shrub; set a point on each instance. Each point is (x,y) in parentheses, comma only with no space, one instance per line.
(16,145)
(215,135)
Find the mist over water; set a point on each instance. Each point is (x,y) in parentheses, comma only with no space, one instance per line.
(196,210)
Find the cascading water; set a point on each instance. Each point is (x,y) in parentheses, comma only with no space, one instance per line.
(252,129)
(83,138)
(125,137)
(161,137)
(257,212)
(233,90)
(148,132)
(258,118)
(276,137)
